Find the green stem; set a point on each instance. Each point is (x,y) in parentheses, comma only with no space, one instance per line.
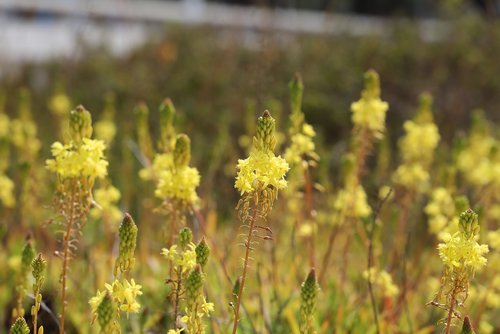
(245,267)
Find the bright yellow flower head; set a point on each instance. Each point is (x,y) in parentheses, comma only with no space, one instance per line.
(262,168)
(85,160)
(179,183)
(352,202)
(369,111)
(419,142)
(461,250)
(412,176)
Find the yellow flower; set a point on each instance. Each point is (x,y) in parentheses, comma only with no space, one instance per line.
(352,202)
(7,191)
(412,176)
(85,160)
(458,251)
(105,130)
(106,198)
(419,142)
(370,113)
(260,170)
(175,331)
(178,183)
(185,259)
(59,104)
(161,162)
(301,145)
(384,281)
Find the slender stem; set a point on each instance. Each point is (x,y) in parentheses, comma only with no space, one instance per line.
(177,297)
(309,210)
(66,251)
(450,310)
(326,258)
(37,307)
(245,267)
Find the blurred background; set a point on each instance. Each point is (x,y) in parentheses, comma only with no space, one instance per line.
(222,60)
(222,63)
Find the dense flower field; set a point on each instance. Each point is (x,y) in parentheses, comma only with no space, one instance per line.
(393,239)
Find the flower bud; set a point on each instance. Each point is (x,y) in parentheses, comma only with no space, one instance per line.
(185,237)
(26,257)
(20,327)
(106,313)
(468,223)
(194,284)
(467,327)
(296,88)
(167,134)
(38,266)
(372,85)
(308,296)
(80,124)
(182,151)
(202,252)
(128,238)
(264,139)
(424,112)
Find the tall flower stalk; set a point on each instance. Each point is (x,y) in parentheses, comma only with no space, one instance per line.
(462,255)
(259,178)
(77,164)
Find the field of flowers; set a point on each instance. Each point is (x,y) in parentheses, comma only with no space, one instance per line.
(110,225)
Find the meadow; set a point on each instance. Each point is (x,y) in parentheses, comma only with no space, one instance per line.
(180,203)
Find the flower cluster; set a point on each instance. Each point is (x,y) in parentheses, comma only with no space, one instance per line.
(7,191)
(383,280)
(441,211)
(352,202)
(106,198)
(124,294)
(417,148)
(85,160)
(186,259)
(369,111)
(262,169)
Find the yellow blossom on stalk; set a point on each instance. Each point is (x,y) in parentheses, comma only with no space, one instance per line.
(417,148)
(369,111)
(106,198)
(124,294)
(161,162)
(352,202)
(59,104)
(383,280)
(185,259)
(7,191)
(440,210)
(421,134)
(462,255)
(458,251)
(262,168)
(412,176)
(180,181)
(72,160)
(105,128)
(475,160)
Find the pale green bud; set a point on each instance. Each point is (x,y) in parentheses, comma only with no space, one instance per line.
(182,151)
(468,223)
(167,130)
(185,237)
(80,124)
(264,139)
(372,85)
